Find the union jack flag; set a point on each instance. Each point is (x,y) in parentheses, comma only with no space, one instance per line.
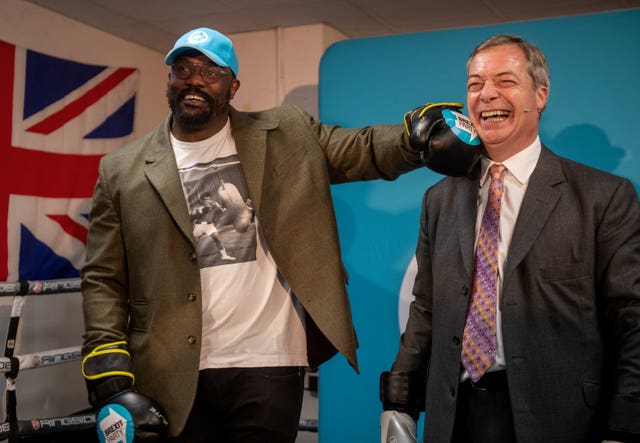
(57,119)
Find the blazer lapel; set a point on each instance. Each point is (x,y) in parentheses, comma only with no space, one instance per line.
(541,197)
(161,170)
(467,208)
(162,173)
(250,136)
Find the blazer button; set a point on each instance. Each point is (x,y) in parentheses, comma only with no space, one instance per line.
(456,340)
(452,391)
(191,296)
(465,290)
(193,256)
(191,339)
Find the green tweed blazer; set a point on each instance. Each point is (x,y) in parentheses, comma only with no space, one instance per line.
(141,281)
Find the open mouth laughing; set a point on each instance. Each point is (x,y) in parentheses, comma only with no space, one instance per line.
(495,116)
(194,98)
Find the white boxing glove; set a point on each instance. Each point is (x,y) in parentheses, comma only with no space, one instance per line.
(397,427)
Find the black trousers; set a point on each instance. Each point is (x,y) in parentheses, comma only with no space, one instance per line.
(483,411)
(248,405)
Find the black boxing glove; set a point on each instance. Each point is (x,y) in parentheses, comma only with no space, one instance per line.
(403,391)
(446,139)
(124,415)
(130,417)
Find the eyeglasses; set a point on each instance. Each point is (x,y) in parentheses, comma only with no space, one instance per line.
(209,73)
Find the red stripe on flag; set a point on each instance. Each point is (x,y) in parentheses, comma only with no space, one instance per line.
(74,109)
(70,226)
(7,64)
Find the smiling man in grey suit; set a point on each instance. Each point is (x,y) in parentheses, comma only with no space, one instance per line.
(553,355)
(213,273)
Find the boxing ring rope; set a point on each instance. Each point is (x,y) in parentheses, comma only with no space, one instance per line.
(14,429)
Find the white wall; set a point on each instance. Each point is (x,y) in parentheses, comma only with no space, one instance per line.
(275,66)
(281,66)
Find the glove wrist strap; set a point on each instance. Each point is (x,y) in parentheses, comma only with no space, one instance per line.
(101,392)
(403,391)
(110,359)
(107,371)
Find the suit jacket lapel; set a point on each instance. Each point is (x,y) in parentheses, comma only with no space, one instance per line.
(162,172)
(467,208)
(251,142)
(541,197)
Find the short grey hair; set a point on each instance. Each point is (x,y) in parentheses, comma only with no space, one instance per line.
(536,66)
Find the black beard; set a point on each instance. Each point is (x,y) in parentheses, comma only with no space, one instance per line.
(196,120)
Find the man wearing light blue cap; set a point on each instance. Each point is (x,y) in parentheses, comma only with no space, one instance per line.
(213,337)
(209,42)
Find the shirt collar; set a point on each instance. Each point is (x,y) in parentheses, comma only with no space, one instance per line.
(520,165)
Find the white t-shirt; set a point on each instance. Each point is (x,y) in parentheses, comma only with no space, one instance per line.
(249,316)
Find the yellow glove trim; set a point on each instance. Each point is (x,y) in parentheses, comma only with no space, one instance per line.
(108,345)
(408,115)
(107,348)
(443,104)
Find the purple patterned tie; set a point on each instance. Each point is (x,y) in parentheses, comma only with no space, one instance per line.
(479,339)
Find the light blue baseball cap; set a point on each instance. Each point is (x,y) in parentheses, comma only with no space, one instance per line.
(213,44)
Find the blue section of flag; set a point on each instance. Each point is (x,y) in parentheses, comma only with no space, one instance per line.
(37,260)
(118,124)
(48,79)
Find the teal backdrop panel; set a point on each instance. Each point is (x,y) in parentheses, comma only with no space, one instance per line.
(592,117)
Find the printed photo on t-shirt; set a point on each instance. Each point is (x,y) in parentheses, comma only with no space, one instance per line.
(221,212)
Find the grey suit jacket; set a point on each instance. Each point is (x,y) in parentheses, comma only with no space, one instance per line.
(570,304)
(141,282)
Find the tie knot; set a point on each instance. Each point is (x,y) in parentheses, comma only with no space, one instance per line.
(497,171)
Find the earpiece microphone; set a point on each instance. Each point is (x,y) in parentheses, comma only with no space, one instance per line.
(530,110)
